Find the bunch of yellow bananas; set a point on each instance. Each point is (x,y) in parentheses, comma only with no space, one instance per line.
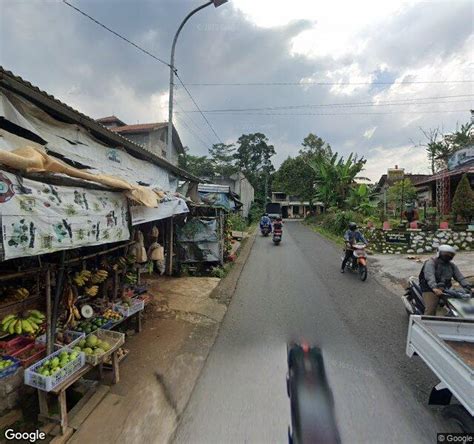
(121,263)
(92,291)
(99,276)
(21,293)
(81,278)
(28,322)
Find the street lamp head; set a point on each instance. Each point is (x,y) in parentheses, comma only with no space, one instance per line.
(218,3)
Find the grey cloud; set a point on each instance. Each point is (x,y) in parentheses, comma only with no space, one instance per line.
(68,56)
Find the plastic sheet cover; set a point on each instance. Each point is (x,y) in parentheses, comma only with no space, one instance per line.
(198,241)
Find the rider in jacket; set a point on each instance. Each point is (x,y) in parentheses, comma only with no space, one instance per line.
(265,221)
(437,273)
(351,237)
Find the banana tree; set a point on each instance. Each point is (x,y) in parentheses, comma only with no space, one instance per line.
(335,177)
(360,199)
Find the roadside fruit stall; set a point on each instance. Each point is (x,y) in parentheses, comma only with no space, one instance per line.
(75,199)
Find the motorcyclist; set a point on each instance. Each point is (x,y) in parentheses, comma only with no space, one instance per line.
(265,221)
(278,224)
(351,237)
(436,274)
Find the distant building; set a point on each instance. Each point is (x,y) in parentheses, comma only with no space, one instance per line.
(293,206)
(152,136)
(432,190)
(239,185)
(395,175)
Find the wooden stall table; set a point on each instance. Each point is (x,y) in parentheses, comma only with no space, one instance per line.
(60,392)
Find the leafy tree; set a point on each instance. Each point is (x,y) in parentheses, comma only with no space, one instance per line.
(463,201)
(314,146)
(335,177)
(295,177)
(223,159)
(441,147)
(359,199)
(200,166)
(401,188)
(253,158)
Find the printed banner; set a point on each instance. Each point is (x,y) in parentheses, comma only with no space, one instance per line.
(39,218)
(169,206)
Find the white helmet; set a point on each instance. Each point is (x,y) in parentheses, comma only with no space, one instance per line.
(446,249)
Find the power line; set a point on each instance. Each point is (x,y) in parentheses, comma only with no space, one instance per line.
(191,131)
(310,82)
(148,54)
(340,114)
(199,109)
(116,33)
(395,102)
(198,128)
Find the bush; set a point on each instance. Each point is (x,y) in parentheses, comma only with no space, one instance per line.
(463,202)
(338,221)
(255,213)
(236,222)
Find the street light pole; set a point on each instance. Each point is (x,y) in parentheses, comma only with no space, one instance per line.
(172,73)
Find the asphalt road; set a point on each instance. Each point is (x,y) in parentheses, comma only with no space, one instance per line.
(294,291)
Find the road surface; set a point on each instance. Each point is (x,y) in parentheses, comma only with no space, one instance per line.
(293,291)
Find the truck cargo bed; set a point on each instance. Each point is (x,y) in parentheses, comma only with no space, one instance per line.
(446,345)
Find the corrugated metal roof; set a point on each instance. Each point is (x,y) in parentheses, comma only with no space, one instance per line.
(35,94)
(213,188)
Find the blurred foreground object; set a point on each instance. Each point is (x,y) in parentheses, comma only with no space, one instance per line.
(312,404)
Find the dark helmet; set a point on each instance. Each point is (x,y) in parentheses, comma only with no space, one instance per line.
(352,226)
(265,214)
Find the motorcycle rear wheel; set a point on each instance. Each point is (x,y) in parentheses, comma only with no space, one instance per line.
(362,272)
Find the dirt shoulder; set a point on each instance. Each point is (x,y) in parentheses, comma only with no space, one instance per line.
(158,376)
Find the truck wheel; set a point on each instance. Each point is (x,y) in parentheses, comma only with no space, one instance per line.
(460,416)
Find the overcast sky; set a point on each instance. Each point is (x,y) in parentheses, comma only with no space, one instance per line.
(264,41)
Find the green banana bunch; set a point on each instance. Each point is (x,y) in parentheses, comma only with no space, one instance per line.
(28,322)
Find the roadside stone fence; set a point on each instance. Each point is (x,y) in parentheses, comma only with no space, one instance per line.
(417,241)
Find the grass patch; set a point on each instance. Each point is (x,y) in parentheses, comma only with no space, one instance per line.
(327,234)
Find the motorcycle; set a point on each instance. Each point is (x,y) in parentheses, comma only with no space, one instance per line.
(277,234)
(265,230)
(449,300)
(358,262)
(311,400)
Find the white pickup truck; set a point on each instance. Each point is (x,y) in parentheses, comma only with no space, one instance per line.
(446,345)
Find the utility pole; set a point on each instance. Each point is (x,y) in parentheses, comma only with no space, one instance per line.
(173,71)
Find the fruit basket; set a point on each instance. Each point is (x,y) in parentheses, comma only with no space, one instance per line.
(38,375)
(12,367)
(15,345)
(112,316)
(67,338)
(31,354)
(126,310)
(100,344)
(92,325)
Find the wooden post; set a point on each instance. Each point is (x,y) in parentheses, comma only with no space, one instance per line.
(49,330)
(43,403)
(63,411)
(115,367)
(169,270)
